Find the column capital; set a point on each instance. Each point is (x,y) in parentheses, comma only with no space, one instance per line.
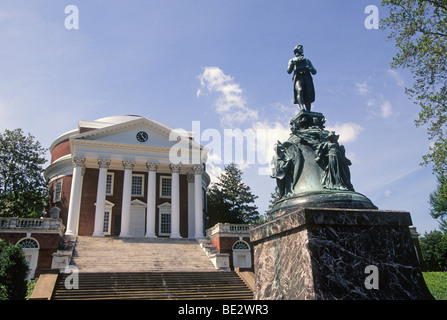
(175,168)
(128,164)
(190,177)
(152,166)
(198,169)
(78,161)
(103,163)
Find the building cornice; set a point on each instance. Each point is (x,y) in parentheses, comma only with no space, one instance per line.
(60,168)
(62,138)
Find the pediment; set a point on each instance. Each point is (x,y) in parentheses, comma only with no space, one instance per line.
(139,132)
(138,203)
(108,204)
(153,133)
(136,138)
(165,205)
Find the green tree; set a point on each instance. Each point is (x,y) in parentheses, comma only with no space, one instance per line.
(419,29)
(23,189)
(274,198)
(230,200)
(438,202)
(13,271)
(434,250)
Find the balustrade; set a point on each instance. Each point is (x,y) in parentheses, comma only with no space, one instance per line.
(31,223)
(229,228)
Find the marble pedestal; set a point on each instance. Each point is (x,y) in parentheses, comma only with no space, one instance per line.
(324,254)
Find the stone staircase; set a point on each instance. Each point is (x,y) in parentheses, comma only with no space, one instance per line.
(221,261)
(154,286)
(144,268)
(139,255)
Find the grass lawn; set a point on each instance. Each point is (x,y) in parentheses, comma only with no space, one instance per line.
(437,283)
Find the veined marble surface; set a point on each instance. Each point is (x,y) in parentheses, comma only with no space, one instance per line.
(319,253)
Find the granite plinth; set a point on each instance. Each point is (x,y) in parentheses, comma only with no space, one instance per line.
(322,254)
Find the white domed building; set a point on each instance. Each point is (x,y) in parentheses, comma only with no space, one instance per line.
(128,176)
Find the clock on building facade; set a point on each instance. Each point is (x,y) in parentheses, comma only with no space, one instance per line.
(142,136)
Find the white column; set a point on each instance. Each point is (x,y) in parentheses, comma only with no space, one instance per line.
(75,196)
(127,193)
(80,198)
(101,198)
(198,200)
(191,212)
(175,201)
(151,199)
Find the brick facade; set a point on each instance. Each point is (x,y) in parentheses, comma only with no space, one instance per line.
(65,197)
(224,244)
(60,150)
(48,243)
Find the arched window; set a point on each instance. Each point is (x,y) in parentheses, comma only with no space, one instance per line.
(241,245)
(28,243)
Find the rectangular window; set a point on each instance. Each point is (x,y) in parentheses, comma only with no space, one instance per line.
(57,196)
(107,220)
(137,185)
(109,184)
(165,187)
(165,224)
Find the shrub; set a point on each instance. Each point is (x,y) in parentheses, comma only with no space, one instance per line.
(434,250)
(13,271)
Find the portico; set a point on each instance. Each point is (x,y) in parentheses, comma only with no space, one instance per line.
(121,173)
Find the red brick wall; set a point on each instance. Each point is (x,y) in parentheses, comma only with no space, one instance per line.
(183,204)
(117,200)
(65,198)
(60,150)
(225,245)
(87,210)
(48,243)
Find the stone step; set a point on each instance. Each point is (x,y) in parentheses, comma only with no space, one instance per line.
(154,285)
(139,254)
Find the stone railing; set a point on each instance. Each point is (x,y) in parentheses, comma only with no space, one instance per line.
(229,228)
(44,224)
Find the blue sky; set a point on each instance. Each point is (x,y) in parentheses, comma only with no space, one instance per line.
(222,63)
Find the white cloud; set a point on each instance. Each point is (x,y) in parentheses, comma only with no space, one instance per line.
(230,105)
(243,165)
(386,109)
(214,172)
(348,132)
(362,88)
(380,107)
(267,134)
(396,75)
(214,157)
(284,113)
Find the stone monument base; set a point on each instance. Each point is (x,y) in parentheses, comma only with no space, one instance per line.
(322,199)
(335,253)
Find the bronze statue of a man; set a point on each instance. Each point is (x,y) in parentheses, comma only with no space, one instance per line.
(303,85)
